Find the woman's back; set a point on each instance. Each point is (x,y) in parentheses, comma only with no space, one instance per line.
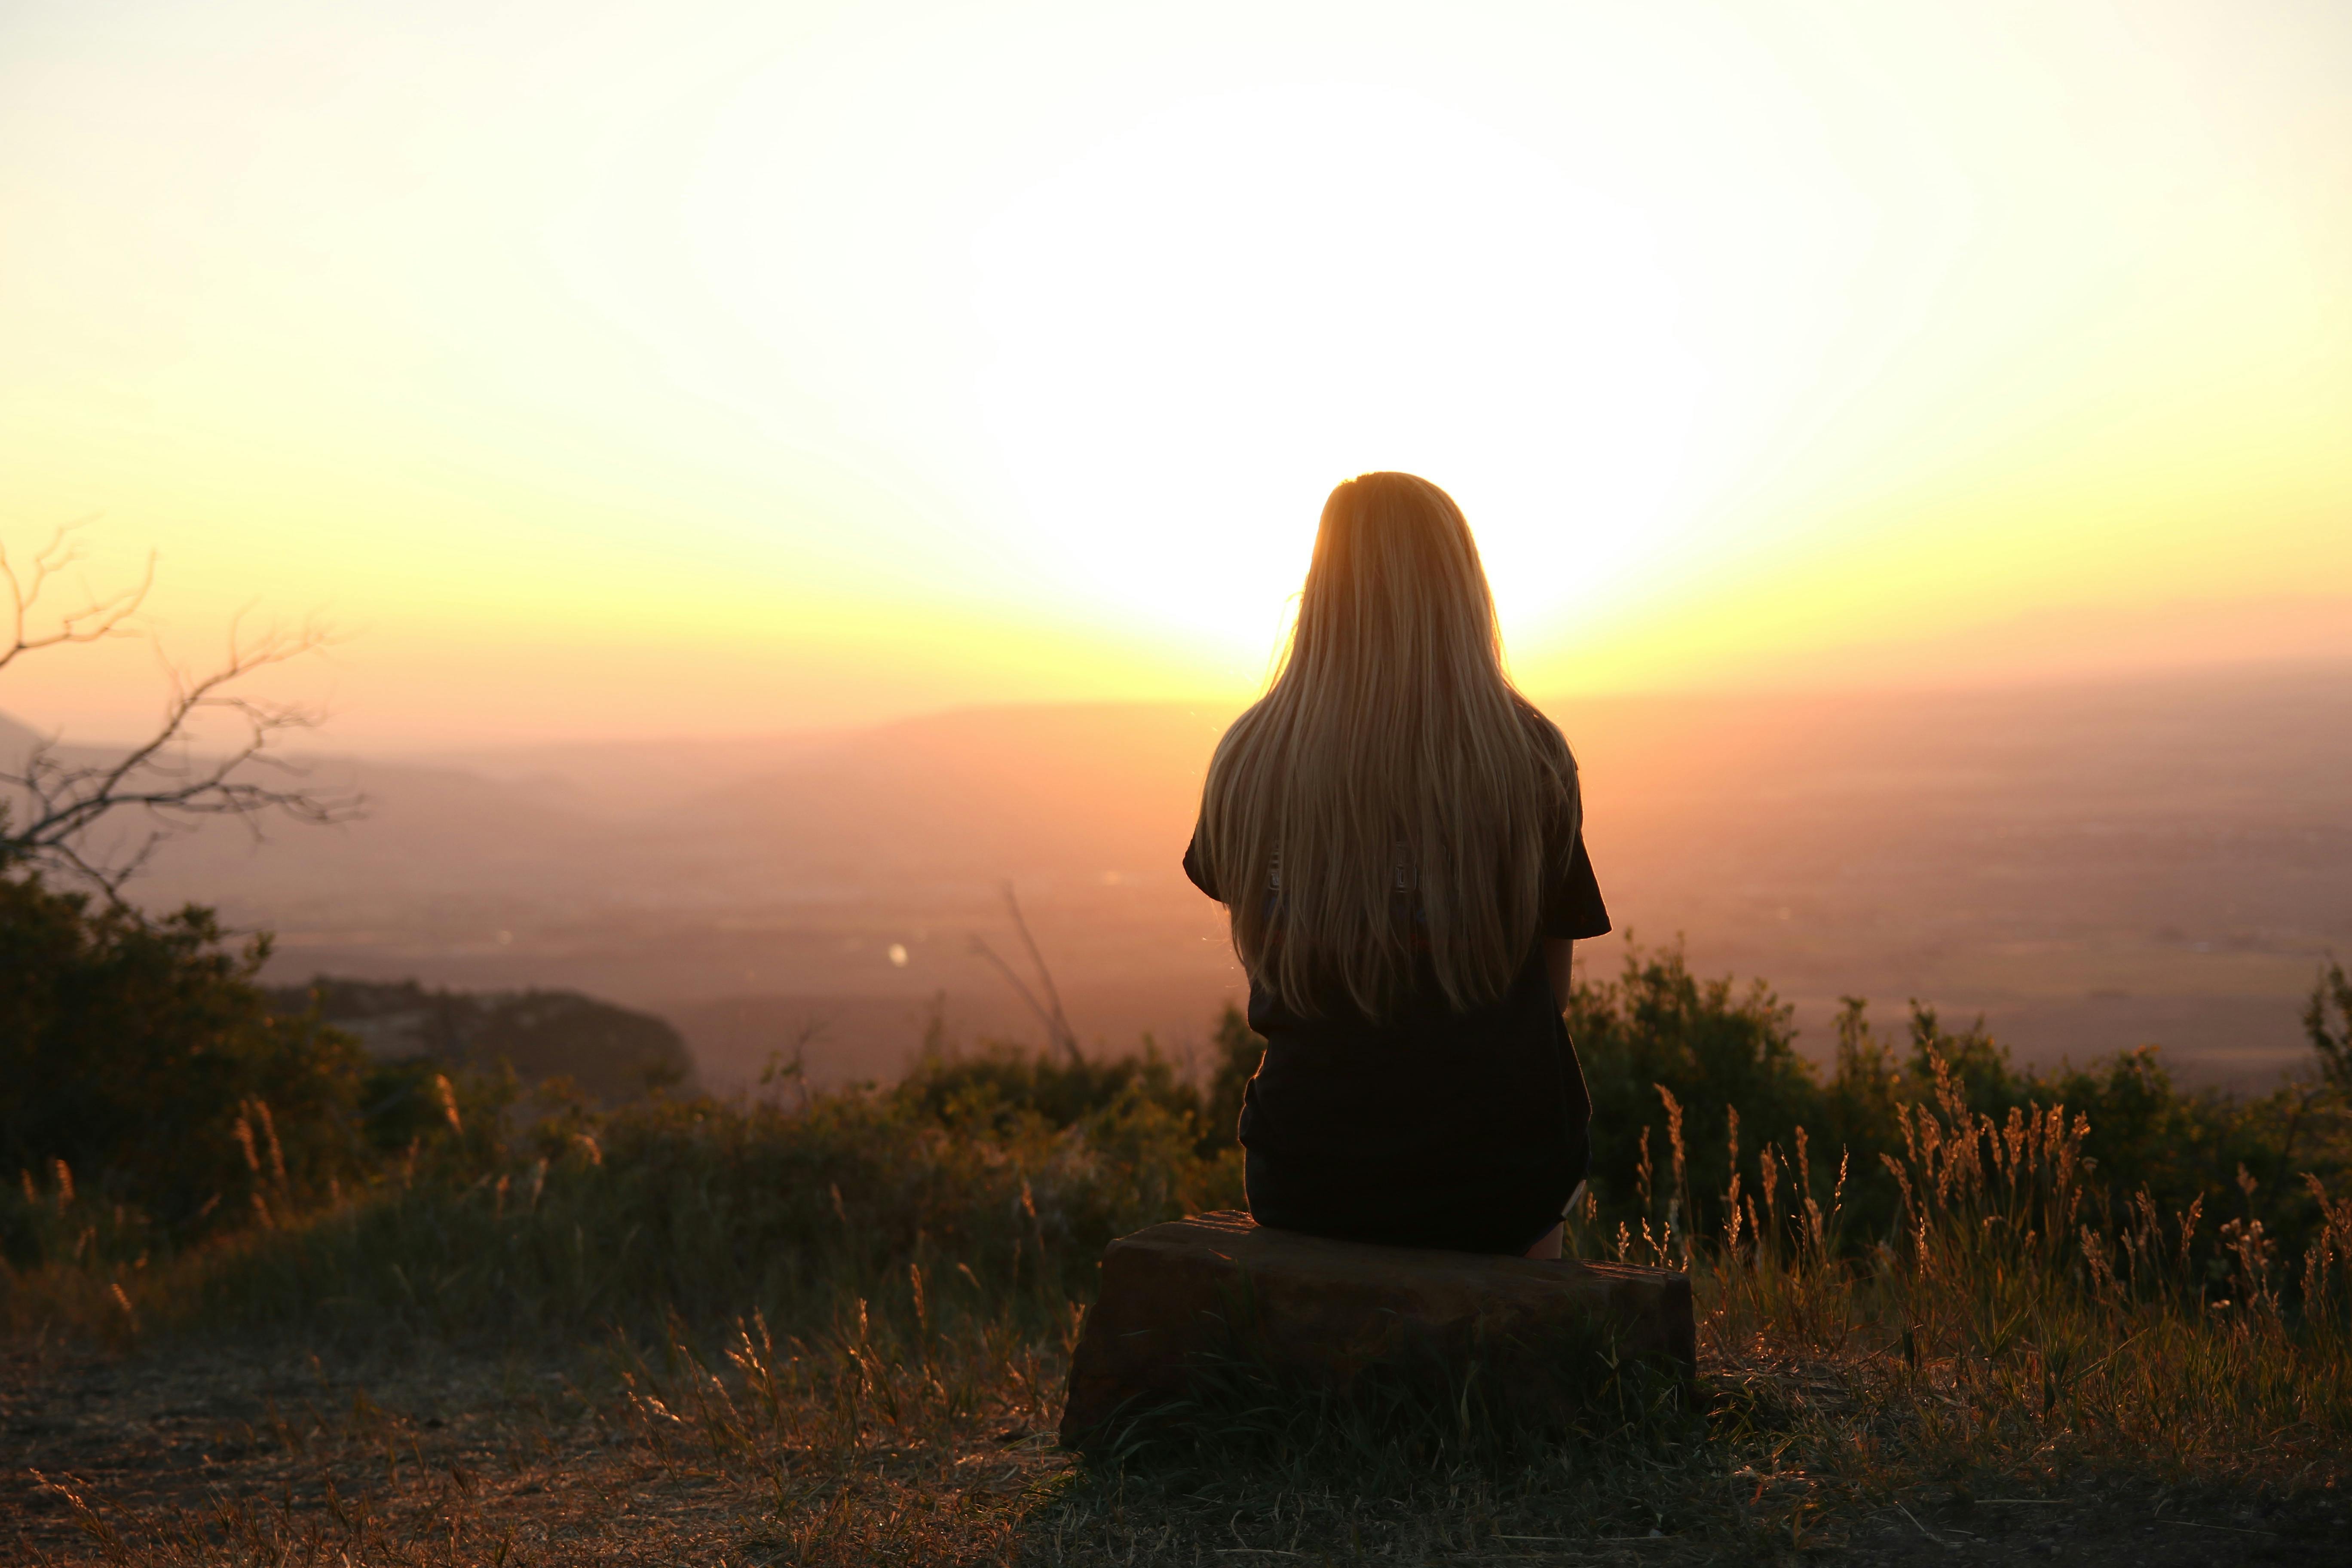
(1397,837)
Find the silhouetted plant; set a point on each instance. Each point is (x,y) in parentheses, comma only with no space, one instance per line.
(2328,1022)
(54,801)
(139,1065)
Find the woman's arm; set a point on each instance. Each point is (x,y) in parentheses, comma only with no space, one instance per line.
(1555,956)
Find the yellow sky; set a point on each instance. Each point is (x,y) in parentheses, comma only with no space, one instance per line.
(636,368)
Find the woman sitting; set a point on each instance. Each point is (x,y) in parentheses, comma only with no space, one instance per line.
(1397,837)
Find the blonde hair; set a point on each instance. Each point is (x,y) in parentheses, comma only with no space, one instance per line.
(1390,771)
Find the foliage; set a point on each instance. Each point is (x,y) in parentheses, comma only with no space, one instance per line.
(854,1306)
(1700,1071)
(2328,1022)
(1711,1047)
(999,1086)
(142,1068)
(566,1223)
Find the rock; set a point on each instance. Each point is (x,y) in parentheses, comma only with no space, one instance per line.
(1220,1285)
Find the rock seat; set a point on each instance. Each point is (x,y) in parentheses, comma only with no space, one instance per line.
(1220,1285)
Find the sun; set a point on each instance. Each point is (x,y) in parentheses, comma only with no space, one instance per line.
(1203,323)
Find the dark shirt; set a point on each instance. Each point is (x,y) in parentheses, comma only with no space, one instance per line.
(1434,1128)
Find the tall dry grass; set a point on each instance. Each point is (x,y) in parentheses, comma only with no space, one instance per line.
(859,1309)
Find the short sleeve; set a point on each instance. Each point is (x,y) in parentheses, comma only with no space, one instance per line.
(1572,908)
(1196,868)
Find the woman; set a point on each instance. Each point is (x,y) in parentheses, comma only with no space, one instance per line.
(1396,835)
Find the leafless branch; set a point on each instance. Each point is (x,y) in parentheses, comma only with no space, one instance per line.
(1049,1010)
(59,801)
(99,616)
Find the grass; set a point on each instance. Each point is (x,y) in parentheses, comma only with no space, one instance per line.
(836,1332)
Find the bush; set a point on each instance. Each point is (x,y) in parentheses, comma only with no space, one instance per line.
(139,1056)
(700,1210)
(999,1086)
(141,1065)
(1712,1047)
(1670,1059)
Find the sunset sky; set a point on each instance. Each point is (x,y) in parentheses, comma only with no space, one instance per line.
(631,369)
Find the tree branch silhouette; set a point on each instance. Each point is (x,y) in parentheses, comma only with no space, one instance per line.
(1048,1010)
(53,802)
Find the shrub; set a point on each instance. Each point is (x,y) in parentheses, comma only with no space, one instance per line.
(139,1063)
(703,1210)
(1712,1047)
(998,1087)
(1670,1059)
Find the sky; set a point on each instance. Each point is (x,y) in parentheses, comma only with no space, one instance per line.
(713,368)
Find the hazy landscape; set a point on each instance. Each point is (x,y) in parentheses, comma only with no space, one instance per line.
(2090,865)
(834,1322)
(582,586)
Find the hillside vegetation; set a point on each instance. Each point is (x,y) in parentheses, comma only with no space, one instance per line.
(1925,1278)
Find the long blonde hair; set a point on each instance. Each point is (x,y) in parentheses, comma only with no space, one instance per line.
(1391,791)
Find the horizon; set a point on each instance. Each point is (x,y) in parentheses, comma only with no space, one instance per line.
(320,742)
(2090,865)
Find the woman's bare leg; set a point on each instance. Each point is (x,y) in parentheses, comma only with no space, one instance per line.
(1548,1247)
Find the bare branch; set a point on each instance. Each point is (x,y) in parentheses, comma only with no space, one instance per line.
(1044,977)
(163,778)
(1049,1011)
(97,617)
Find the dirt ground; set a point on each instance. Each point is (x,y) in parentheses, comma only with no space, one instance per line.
(222,1457)
(231,1457)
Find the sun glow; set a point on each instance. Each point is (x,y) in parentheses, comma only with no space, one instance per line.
(1201,325)
(833,359)
(1147,351)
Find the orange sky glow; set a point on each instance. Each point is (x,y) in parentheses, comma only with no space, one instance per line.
(632,369)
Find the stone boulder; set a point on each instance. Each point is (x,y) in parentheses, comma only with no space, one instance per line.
(1221,1285)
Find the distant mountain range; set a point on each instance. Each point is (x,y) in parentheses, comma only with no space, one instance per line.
(2091,865)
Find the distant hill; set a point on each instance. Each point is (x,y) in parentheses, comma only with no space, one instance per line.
(2091,865)
(612,1053)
